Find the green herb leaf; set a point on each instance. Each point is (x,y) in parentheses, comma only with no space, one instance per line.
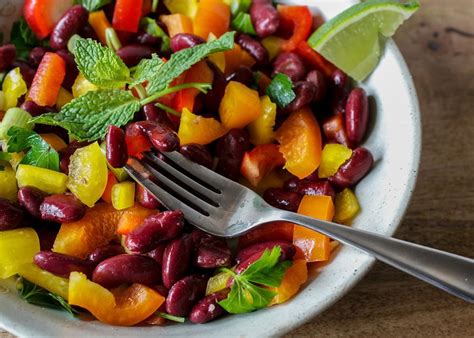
(183,60)
(40,153)
(245,295)
(240,6)
(151,27)
(99,64)
(146,68)
(243,23)
(5,156)
(88,116)
(281,91)
(24,39)
(92,5)
(171,317)
(35,295)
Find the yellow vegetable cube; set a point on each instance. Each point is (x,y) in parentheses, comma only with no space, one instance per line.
(17,247)
(82,86)
(64,97)
(261,130)
(8,186)
(347,206)
(57,285)
(13,87)
(239,106)
(46,180)
(332,157)
(123,195)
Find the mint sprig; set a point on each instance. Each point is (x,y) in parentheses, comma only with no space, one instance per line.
(92,5)
(247,293)
(280,90)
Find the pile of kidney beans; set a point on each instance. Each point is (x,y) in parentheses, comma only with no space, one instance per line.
(166,253)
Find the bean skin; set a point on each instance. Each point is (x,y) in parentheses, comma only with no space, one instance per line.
(115,147)
(184,294)
(176,259)
(305,92)
(208,308)
(243,75)
(318,80)
(282,199)
(212,253)
(287,250)
(264,17)
(339,84)
(334,129)
(144,38)
(357,115)
(127,269)
(197,153)
(27,72)
(146,199)
(71,22)
(36,55)
(102,253)
(62,208)
(161,137)
(354,169)
(60,264)
(131,55)
(185,40)
(214,97)
(155,114)
(312,188)
(289,64)
(30,199)
(10,215)
(254,48)
(7,56)
(230,151)
(157,253)
(71,68)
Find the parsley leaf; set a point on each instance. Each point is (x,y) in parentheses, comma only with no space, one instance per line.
(243,23)
(100,65)
(40,153)
(92,5)
(151,27)
(245,295)
(181,61)
(24,39)
(281,91)
(88,116)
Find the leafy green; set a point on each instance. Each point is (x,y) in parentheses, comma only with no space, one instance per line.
(92,5)
(35,295)
(281,91)
(240,6)
(171,317)
(181,61)
(99,64)
(146,68)
(151,27)
(88,116)
(243,23)
(24,39)
(246,295)
(40,153)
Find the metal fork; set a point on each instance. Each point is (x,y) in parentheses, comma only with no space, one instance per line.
(225,208)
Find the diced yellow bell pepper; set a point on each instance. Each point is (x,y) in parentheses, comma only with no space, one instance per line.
(8,185)
(347,206)
(17,247)
(186,7)
(239,106)
(273,45)
(46,180)
(198,129)
(217,58)
(2,101)
(123,195)
(64,97)
(13,87)
(217,283)
(261,130)
(332,157)
(57,285)
(82,85)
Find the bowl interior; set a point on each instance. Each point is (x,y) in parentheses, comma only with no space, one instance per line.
(394,139)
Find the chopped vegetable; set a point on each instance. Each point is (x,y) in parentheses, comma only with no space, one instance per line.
(46,180)
(123,195)
(314,58)
(237,57)
(260,161)
(213,16)
(54,140)
(81,86)
(298,17)
(127,14)
(261,130)
(14,117)
(243,23)
(132,218)
(280,90)
(295,276)
(347,206)
(64,97)
(17,247)
(13,88)
(100,24)
(177,24)
(45,279)
(185,7)
(198,129)
(332,157)
(8,183)
(217,283)
(43,15)
(111,181)
(239,106)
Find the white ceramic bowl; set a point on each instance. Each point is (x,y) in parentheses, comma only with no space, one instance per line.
(395,141)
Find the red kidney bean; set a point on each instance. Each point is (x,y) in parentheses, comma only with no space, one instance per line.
(33,109)
(27,72)
(254,48)
(287,253)
(157,253)
(213,97)
(208,308)
(69,24)
(282,199)
(62,208)
(334,129)
(317,78)
(291,65)
(146,199)
(10,215)
(36,55)
(47,233)
(305,92)
(161,137)
(185,40)
(127,269)
(115,147)
(354,169)
(287,250)
(155,229)
(62,265)
(143,38)
(357,115)
(30,198)
(87,32)
(339,84)
(197,153)
(131,55)
(104,252)
(264,17)
(176,258)
(155,114)
(71,68)
(184,294)
(7,56)
(243,75)
(230,151)
(212,253)
(309,187)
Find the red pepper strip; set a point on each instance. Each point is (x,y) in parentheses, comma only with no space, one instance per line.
(302,21)
(314,59)
(127,15)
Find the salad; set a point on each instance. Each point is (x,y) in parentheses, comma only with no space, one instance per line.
(242,87)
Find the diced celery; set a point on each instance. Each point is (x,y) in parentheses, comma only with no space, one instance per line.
(57,285)
(332,157)
(17,247)
(14,117)
(8,186)
(13,87)
(346,205)
(123,195)
(49,181)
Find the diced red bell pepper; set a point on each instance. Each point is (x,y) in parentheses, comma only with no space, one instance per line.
(301,19)
(314,59)
(260,161)
(42,15)
(47,81)
(136,141)
(127,15)
(111,180)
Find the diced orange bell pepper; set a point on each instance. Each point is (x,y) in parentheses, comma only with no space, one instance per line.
(295,276)
(260,161)
(132,218)
(261,130)
(212,16)
(301,19)
(127,14)
(200,72)
(311,245)
(47,81)
(237,57)
(99,23)
(54,141)
(272,231)
(198,129)
(177,23)
(239,106)
(300,143)
(95,229)
(123,306)
(314,59)
(111,180)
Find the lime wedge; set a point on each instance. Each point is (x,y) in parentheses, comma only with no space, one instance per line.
(352,40)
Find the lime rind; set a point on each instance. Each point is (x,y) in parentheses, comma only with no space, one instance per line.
(352,39)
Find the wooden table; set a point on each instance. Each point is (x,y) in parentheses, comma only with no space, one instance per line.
(438,44)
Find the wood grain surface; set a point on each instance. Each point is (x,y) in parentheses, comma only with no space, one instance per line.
(438,45)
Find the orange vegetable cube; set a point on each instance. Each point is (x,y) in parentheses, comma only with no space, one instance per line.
(295,276)
(111,180)
(99,23)
(260,161)
(177,23)
(54,141)
(132,218)
(47,81)
(236,58)
(198,129)
(212,16)
(239,106)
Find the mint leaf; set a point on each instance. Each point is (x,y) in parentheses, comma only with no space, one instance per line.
(146,68)
(88,116)
(280,90)
(92,5)
(151,27)
(39,152)
(183,60)
(99,64)
(24,39)
(243,23)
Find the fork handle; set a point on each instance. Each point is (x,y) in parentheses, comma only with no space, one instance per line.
(449,272)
